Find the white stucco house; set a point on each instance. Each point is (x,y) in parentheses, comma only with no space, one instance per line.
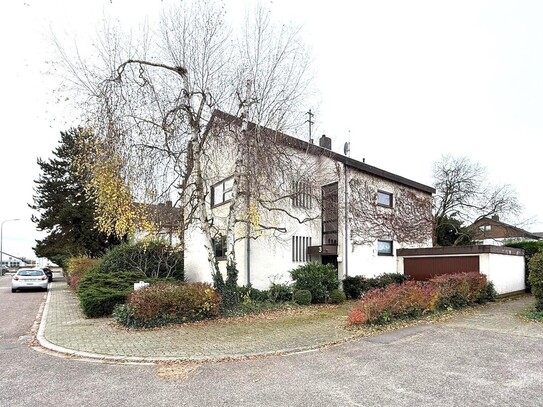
(297,202)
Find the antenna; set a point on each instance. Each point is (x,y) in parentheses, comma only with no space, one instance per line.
(311,123)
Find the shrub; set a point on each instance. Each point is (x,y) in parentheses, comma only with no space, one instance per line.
(302,297)
(99,293)
(319,279)
(356,285)
(352,286)
(76,268)
(155,259)
(249,294)
(460,290)
(530,248)
(166,302)
(337,296)
(280,292)
(535,266)
(395,301)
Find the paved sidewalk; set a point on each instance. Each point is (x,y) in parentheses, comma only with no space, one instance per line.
(65,329)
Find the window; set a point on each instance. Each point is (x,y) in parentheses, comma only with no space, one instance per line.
(384,247)
(384,199)
(301,194)
(485,228)
(222,192)
(299,248)
(330,214)
(219,246)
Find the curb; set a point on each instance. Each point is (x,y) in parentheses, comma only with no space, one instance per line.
(102,358)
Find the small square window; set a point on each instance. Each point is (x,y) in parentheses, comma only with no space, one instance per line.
(384,247)
(384,199)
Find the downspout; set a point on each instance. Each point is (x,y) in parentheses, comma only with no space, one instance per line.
(346,221)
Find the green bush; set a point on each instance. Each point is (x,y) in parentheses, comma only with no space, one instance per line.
(99,293)
(461,289)
(352,286)
(302,297)
(280,292)
(355,286)
(155,259)
(535,266)
(530,249)
(337,296)
(249,294)
(318,278)
(166,302)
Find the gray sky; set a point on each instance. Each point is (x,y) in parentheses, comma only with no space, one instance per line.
(404,81)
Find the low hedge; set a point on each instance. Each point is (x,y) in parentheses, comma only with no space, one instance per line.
(99,293)
(165,302)
(413,299)
(355,286)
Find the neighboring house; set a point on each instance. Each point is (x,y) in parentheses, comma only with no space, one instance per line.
(302,202)
(166,220)
(494,232)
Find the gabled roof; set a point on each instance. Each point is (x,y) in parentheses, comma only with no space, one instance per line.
(510,231)
(318,150)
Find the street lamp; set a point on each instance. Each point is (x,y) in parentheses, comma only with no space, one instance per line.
(2,237)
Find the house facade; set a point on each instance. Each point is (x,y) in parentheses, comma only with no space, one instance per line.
(298,202)
(491,231)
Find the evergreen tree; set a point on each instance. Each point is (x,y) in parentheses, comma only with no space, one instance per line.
(65,210)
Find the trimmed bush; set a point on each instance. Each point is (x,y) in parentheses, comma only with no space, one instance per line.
(318,278)
(535,266)
(249,294)
(396,301)
(155,259)
(76,268)
(355,286)
(337,296)
(165,303)
(99,293)
(302,297)
(460,290)
(412,299)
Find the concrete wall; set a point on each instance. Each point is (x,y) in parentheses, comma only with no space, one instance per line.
(505,271)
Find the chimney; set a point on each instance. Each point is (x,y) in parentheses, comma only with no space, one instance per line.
(325,142)
(496,218)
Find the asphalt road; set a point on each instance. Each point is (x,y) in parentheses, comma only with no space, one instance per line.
(430,366)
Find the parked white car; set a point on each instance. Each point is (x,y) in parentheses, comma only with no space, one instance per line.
(26,279)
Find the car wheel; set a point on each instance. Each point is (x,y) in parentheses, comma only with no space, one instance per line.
(13,290)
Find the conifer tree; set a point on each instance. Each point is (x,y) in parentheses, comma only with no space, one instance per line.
(64,208)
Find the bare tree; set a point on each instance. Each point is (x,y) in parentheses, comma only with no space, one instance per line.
(152,100)
(464,194)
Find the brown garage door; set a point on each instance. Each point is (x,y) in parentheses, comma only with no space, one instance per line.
(423,268)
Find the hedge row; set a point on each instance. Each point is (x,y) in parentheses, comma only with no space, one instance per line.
(412,299)
(355,286)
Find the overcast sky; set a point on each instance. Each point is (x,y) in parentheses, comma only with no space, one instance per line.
(404,81)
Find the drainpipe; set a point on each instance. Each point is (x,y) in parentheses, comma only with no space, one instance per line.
(346,221)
